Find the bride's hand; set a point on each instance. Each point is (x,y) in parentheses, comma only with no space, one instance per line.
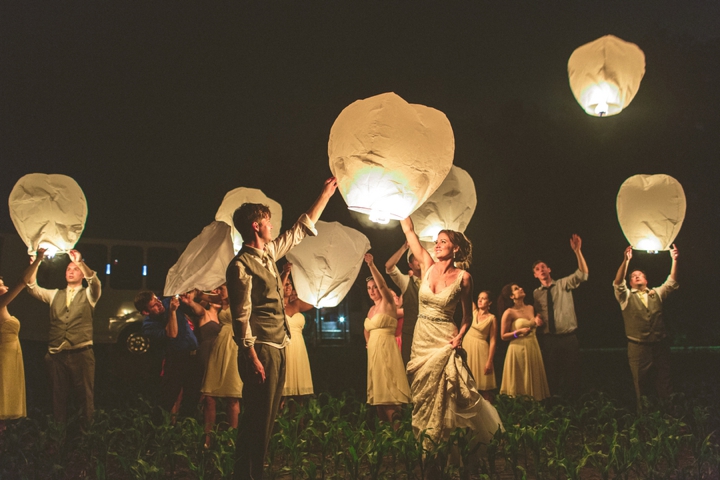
(456,342)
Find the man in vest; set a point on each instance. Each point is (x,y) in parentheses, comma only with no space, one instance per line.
(409,286)
(260,327)
(642,311)
(70,358)
(558,339)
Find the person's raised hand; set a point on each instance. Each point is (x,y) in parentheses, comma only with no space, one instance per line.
(575,243)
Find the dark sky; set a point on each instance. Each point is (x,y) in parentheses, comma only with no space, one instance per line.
(157,109)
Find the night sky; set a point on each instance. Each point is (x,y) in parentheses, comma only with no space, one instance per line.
(157,109)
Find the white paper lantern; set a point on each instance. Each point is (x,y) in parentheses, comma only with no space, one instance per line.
(204,262)
(235,198)
(451,206)
(48,211)
(651,209)
(326,266)
(389,156)
(605,75)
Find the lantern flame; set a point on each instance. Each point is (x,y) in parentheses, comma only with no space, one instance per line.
(650,244)
(50,249)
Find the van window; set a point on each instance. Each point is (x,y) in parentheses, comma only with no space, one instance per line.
(126,267)
(159,261)
(95,257)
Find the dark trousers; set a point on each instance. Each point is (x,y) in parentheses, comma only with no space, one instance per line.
(181,372)
(72,371)
(650,367)
(407,339)
(260,406)
(561,356)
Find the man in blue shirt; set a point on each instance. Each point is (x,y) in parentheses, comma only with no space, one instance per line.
(167,321)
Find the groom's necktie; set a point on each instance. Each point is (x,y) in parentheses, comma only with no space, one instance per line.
(551,309)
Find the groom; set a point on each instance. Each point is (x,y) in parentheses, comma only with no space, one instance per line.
(260,329)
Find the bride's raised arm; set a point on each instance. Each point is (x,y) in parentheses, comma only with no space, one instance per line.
(414,242)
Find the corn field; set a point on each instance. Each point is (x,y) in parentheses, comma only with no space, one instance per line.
(340,438)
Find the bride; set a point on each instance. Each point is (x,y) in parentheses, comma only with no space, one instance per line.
(444,393)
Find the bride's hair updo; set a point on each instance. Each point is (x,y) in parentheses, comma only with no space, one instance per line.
(463,257)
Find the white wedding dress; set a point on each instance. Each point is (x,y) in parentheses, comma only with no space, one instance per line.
(444,393)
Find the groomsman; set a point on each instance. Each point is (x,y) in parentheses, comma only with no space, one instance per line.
(409,285)
(558,339)
(642,311)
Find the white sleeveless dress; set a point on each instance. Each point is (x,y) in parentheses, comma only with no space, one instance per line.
(444,393)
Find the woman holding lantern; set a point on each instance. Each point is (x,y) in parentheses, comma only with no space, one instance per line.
(444,392)
(387,385)
(524,372)
(12,370)
(298,378)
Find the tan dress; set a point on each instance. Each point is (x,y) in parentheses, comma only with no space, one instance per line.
(298,379)
(12,372)
(524,372)
(476,345)
(221,375)
(444,393)
(386,379)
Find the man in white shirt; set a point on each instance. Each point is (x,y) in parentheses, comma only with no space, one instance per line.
(70,358)
(260,326)
(642,311)
(558,339)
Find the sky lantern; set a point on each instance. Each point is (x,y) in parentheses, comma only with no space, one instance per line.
(605,75)
(389,156)
(326,266)
(651,209)
(451,206)
(234,198)
(48,211)
(204,262)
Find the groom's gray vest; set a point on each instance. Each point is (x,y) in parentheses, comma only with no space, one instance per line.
(267,319)
(74,323)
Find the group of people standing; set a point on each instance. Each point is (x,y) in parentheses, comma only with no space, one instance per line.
(247,335)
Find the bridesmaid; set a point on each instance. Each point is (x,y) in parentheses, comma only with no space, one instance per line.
(12,370)
(298,377)
(222,379)
(387,385)
(524,372)
(479,343)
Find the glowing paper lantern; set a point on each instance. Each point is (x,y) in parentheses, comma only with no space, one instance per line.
(389,156)
(234,198)
(203,263)
(48,211)
(450,207)
(651,209)
(605,75)
(326,266)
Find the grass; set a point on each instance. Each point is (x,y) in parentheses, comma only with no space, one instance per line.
(339,437)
